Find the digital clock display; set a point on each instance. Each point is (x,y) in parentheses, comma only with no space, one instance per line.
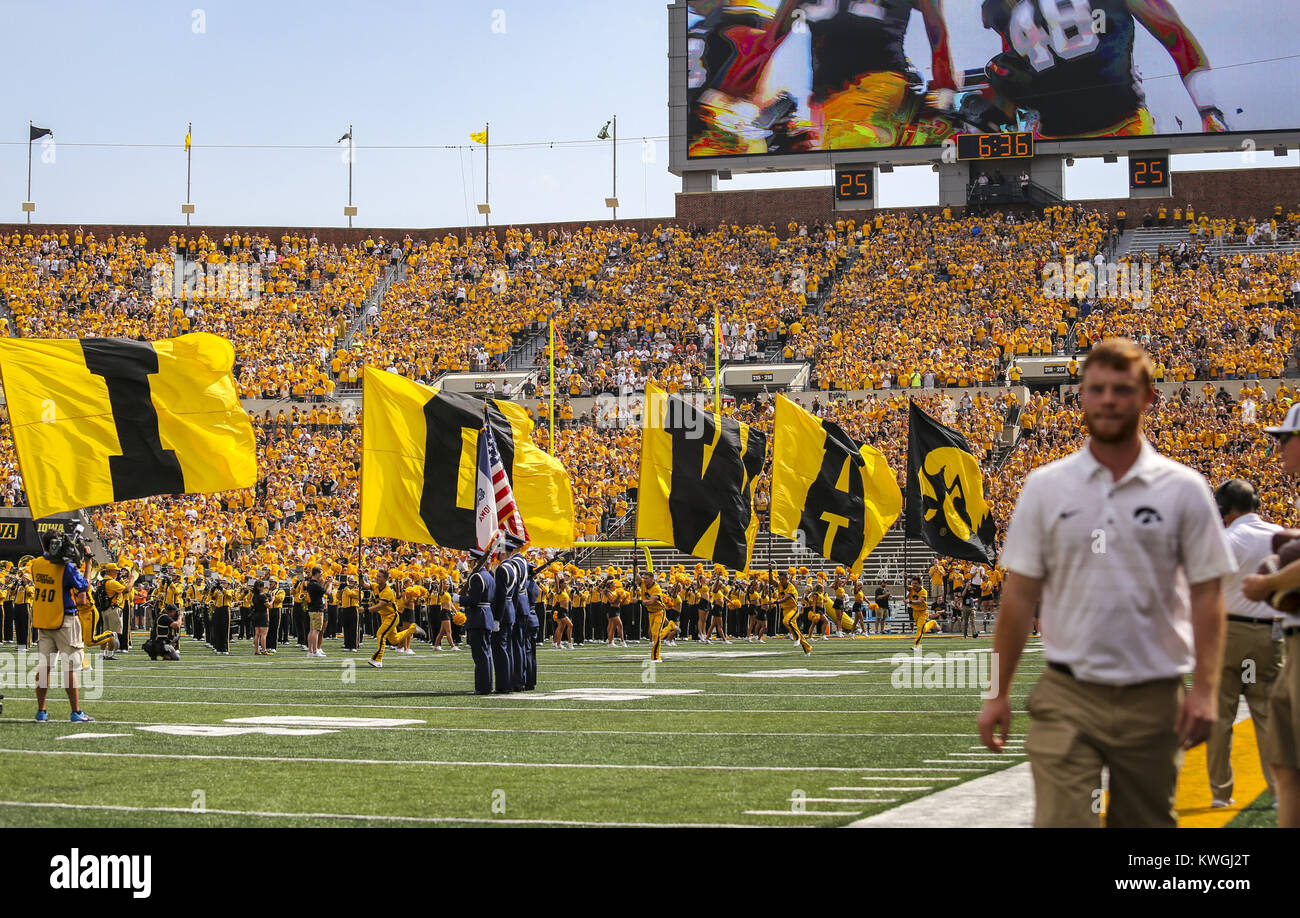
(853,184)
(1148,171)
(995,146)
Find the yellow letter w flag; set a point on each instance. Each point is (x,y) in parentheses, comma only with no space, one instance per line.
(419,466)
(99,420)
(841,495)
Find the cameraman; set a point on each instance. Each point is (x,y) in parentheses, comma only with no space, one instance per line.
(58,588)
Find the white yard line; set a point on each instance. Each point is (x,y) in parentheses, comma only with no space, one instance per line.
(812,812)
(580,766)
(514,706)
(462,820)
(435,729)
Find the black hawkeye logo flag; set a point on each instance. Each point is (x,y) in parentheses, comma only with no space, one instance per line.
(945,492)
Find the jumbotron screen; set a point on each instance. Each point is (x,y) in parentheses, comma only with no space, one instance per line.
(795,76)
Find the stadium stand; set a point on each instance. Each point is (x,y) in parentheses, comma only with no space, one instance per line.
(902,305)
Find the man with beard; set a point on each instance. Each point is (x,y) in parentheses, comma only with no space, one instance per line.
(1126,553)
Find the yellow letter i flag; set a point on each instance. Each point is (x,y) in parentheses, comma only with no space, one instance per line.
(99,420)
(841,495)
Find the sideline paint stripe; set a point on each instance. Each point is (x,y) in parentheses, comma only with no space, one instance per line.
(1193,798)
(461,820)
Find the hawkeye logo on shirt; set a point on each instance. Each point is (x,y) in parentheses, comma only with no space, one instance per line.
(1148,516)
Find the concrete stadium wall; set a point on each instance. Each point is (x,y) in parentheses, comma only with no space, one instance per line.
(1225,193)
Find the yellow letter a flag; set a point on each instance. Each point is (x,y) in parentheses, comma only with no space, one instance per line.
(841,495)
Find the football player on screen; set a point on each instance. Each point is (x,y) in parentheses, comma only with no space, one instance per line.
(1071,61)
(859,70)
(729,50)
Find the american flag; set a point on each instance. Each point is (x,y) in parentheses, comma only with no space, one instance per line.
(502,498)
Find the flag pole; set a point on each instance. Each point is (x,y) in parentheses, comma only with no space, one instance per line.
(351,156)
(29,166)
(550,321)
(189,156)
(487,172)
(717,366)
(614,150)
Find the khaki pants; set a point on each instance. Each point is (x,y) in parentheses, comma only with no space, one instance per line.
(65,644)
(1282,746)
(1076,727)
(1243,642)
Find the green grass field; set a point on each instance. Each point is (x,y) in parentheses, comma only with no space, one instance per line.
(740,734)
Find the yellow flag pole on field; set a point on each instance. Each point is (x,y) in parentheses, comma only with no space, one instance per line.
(550,320)
(717,365)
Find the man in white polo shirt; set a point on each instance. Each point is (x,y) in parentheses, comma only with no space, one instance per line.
(1282,745)
(1125,550)
(1252,658)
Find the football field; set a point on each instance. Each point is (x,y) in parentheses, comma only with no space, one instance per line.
(734,734)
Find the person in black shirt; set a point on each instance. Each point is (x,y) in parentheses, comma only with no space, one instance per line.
(261,619)
(882,602)
(316,590)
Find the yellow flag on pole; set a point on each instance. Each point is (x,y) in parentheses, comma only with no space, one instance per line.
(837,495)
(419,466)
(99,420)
(698,474)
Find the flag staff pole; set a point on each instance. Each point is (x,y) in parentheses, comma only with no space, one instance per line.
(189,157)
(615,152)
(29,166)
(717,366)
(550,321)
(487,172)
(352,148)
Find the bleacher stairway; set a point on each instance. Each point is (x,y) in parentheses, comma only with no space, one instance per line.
(1149,240)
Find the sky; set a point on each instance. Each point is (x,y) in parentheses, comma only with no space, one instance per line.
(270,86)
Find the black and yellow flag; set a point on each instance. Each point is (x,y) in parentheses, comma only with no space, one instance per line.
(98,420)
(840,494)
(945,492)
(696,489)
(419,466)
